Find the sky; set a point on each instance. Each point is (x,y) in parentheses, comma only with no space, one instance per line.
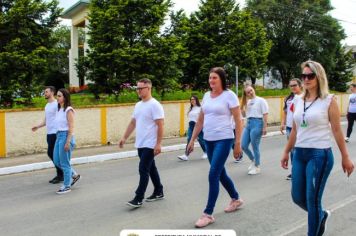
(344,11)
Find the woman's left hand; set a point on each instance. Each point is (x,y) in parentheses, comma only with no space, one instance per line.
(66,147)
(347,166)
(264,131)
(237,151)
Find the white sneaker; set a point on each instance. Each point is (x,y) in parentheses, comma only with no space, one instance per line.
(204,156)
(254,171)
(183,157)
(347,139)
(251,166)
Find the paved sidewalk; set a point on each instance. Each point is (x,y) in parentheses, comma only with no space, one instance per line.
(97,151)
(11,165)
(80,152)
(39,161)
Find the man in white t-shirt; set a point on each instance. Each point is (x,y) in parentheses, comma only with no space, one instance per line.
(49,121)
(147,118)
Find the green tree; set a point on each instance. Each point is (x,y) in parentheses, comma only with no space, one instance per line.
(222,35)
(25,46)
(58,73)
(342,73)
(126,44)
(178,31)
(300,30)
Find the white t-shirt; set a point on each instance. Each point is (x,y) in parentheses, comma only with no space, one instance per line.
(61,119)
(194,114)
(217,115)
(145,114)
(256,107)
(317,133)
(50,116)
(352,103)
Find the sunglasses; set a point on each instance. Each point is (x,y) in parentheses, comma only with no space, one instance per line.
(293,85)
(310,76)
(140,88)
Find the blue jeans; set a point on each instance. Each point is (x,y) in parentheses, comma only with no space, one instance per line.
(61,158)
(288,130)
(252,134)
(311,169)
(200,136)
(147,169)
(218,151)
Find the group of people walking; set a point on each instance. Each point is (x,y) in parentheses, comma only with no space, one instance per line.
(310,118)
(59,121)
(254,109)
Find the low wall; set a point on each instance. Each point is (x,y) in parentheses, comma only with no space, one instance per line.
(102,124)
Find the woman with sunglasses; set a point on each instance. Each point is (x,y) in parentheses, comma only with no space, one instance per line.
(316,116)
(193,114)
(65,140)
(295,86)
(351,112)
(256,112)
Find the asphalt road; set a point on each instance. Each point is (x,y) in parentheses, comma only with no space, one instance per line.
(96,205)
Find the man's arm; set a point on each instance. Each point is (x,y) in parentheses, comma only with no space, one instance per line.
(130,128)
(160,124)
(40,125)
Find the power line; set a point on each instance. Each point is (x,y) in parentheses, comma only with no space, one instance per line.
(345,21)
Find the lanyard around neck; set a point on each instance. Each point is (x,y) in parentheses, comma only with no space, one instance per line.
(306,108)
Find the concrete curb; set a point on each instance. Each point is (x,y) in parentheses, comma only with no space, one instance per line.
(82,160)
(100,158)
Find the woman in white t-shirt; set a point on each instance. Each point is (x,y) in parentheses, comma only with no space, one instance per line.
(218,106)
(65,141)
(316,116)
(193,114)
(256,112)
(351,112)
(295,86)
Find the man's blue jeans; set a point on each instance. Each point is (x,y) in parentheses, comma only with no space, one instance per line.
(218,152)
(61,158)
(200,136)
(252,134)
(147,169)
(311,169)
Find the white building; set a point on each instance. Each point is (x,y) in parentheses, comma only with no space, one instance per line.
(78,14)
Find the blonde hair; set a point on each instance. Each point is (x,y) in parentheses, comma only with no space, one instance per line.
(318,70)
(244,96)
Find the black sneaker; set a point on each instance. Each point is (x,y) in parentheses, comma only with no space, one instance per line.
(64,190)
(56,180)
(155,197)
(134,203)
(323,223)
(75,179)
(289,177)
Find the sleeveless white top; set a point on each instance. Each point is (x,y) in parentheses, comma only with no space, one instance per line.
(317,131)
(61,119)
